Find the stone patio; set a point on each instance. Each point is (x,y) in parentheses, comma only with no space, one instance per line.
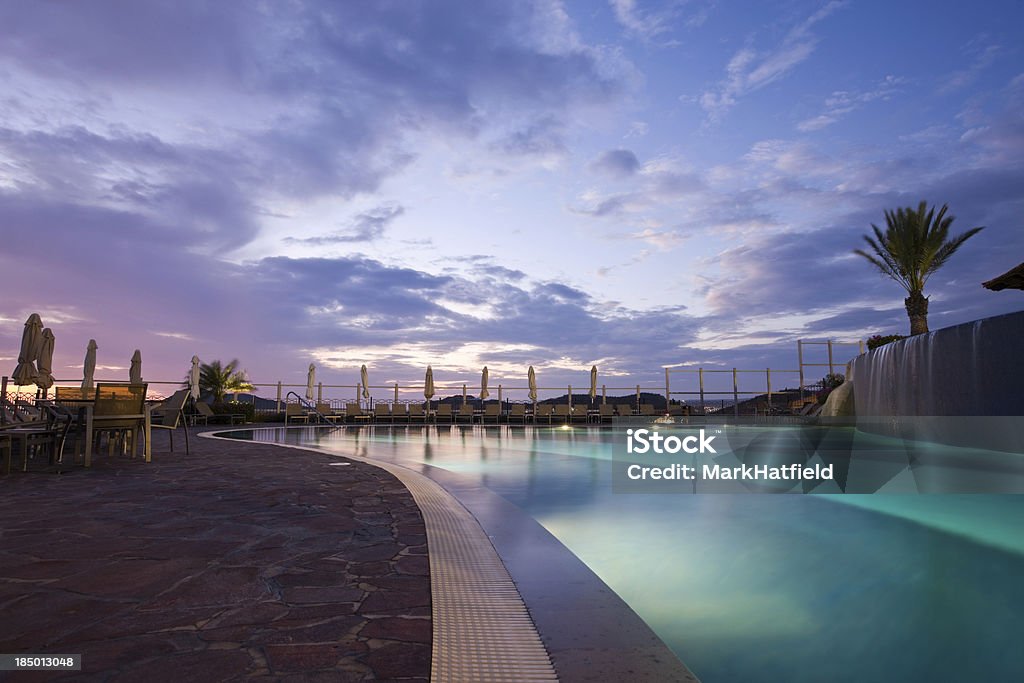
(239,561)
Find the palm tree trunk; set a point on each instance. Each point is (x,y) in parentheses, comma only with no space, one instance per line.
(917,311)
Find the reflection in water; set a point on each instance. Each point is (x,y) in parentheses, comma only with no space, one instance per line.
(759,587)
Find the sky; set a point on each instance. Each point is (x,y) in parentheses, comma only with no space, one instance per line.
(559,184)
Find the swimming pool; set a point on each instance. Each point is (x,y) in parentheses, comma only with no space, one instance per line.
(756,587)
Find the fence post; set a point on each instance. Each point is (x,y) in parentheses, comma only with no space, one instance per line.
(499,396)
(831,370)
(320,392)
(604,394)
(570,396)
(279,397)
(768,376)
(735,395)
(800,360)
(700,376)
(668,393)
(860,345)
(638,399)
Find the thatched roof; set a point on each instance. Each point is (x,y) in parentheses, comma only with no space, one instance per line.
(1012,279)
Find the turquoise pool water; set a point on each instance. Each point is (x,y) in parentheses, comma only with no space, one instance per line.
(758,587)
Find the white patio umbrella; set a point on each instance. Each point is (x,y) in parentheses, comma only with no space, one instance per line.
(135,371)
(531,379)
(44,380)
(364,377)
(89,367)
(483,385)
(193,379)
(428,384)
(31,340)
(310,382)
(593,383)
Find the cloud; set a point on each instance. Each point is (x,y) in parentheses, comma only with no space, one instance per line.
(365,227)
(982,55)
(842,102)
(750,69)
(617,163)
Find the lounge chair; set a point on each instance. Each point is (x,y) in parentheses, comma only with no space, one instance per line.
(382,413)
(605,412)
(466,413)
(561,413)
(517,413)
(542,411)
(354,414)
(444,412)
(416,413)
(624,410)
(294,412)
(170,414)
(399,413)
(492,411)
(205,413)
(579,413)
(647,409)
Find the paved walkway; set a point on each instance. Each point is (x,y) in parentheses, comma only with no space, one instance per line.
(236,562)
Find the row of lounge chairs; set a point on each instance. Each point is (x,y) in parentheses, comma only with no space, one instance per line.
(493,413)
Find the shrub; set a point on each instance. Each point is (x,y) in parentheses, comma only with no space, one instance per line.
(881,340)
(236,408)
(828,383)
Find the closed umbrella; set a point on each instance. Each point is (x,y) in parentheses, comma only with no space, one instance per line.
(364,377)
(44,380)
(310,382)
(428,384)
(31,340)
(531,378)
(135,371)
(193,379)
(483,385)
(89,367)
(593,383)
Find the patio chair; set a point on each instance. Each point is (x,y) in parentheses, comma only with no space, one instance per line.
(579,413)
(382,412)
(605,412)
(119,413)
(444,412)
(492,411)
(466,413)
(542,411)
(561,413)
(45,436)
(647,409)
(624,410)
(205,413)
(170,414)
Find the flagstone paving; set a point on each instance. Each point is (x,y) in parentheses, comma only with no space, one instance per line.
(239,561)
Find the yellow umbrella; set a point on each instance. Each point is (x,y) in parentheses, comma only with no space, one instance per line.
(483,385)
(531,378)
(593,382)
(31,340)
(364,377)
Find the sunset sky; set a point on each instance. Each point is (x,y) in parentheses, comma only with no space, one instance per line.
(632,184)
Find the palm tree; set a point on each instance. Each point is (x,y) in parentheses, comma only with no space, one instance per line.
(216,380)
(914,246)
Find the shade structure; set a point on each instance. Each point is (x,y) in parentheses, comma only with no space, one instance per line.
(428,384)
(1011,279)
(193,379)
(483,385)
(44,364)
(310,382)
(531,380)
(89,367)
(135,371)
(364,378)
(31,339)
(593,382)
